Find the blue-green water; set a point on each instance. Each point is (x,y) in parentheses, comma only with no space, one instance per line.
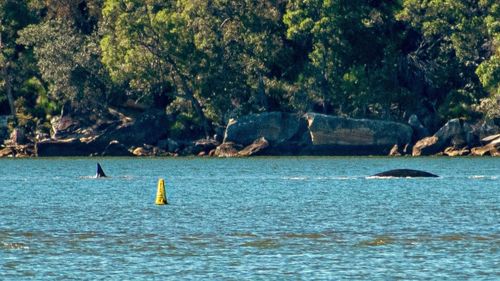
(258,218)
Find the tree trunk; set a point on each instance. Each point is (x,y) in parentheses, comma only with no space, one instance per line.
(197,106)
(199,110)
(190,96)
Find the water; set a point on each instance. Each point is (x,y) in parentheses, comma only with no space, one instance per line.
(306,218)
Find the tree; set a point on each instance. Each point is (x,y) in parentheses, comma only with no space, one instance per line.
(351,48)
(448,51)
(244,46)
(65,44)
(149,44)
(14,15)
(489,70)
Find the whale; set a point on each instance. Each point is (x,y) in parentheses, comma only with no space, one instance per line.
(405,173)
(100,173)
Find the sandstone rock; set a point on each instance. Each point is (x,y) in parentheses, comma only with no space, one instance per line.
(254,148)
(452,151)
(23,151)
(487,128)
(395,151)
(205,145)
(18,136)
(148,128)
(489,149)
(7,152)
(449,130)
(492,148)
(426,146)
(346,136)
(227,149)
(455,132)
(275,127)
(68,147)
(490,138)
(419,131)
(141,151)
(62,126)
(115,148)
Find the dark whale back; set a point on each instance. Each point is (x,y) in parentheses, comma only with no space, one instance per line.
(100,173)
(405,173)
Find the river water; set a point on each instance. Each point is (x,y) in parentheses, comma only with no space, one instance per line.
(283,218)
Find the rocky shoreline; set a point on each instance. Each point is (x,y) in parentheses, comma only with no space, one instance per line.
(270,133)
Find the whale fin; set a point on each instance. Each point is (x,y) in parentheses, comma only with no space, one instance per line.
(100,173)
(405,173)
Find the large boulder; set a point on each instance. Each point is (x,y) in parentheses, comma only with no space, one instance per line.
(487,128)
(255,148)
(426,146)
(419,131)
(63,126)
(205,146)
(492,148)
(276,127)
(7,152)
(227,149)
(148,128)
(455,133)
(334,135)
(67,147)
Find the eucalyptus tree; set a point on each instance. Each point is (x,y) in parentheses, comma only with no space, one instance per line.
(244,44)
(65,44)
(216,54)
(448,51)
(351,47)
(149,45)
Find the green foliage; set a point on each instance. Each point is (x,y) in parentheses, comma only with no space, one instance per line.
(68,61)
(208,61)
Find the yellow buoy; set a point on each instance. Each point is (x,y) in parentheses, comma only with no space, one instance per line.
(161,196)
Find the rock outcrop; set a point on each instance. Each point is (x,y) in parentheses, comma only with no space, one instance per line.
(277,133)
(68,147)
(255,148)
(227,149)
(455,133)
(147,128)
(419,131)
(491,148)
(332,135)
(276,127)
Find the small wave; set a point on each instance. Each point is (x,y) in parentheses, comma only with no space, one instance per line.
(344,178)
(336,178)
(379,178)
(295,178)
(480,177)
(90,177)
(15,246)
(319,178)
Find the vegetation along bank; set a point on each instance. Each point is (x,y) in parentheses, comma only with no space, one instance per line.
(241,77)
